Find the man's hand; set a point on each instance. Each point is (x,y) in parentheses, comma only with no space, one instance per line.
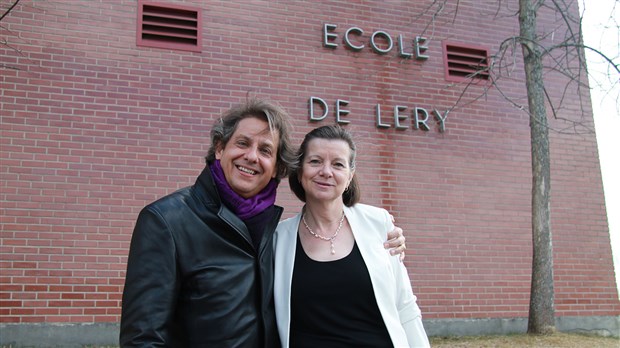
(396,242)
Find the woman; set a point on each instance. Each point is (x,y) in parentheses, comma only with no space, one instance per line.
(335,285)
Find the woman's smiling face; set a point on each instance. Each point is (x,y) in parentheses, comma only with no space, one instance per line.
(326,171)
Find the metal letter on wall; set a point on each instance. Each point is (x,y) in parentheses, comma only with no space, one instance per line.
(419,48)
(342,112)
(328,37)
(421,122)
(398,117)
(317,100)
(386,36)
(401,48)
(441,120)
(378,118)
(358,32)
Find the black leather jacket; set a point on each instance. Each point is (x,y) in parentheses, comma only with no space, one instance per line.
(194,278)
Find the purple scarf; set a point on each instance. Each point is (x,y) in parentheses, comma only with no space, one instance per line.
(244,208)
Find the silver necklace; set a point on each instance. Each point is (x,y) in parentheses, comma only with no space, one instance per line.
(316,235)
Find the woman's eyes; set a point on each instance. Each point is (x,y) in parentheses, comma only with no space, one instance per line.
(318,162)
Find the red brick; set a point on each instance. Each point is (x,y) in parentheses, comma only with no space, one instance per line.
(94,128)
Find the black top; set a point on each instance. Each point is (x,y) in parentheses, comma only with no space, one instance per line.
(333,304)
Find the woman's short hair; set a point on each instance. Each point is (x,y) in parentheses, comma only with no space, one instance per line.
(331,132)
(276,117)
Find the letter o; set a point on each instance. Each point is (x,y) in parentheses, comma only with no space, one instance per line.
(386,36)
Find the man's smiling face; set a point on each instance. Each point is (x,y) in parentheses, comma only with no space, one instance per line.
(249,158)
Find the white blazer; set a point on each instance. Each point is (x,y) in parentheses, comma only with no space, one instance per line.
(388,275)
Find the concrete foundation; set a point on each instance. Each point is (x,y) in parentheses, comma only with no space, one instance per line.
(106,334)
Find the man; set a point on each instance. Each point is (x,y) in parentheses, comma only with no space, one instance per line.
(200,266)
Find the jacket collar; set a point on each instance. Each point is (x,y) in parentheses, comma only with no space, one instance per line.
(206,192)
(205,188)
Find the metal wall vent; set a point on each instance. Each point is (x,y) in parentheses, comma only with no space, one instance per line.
(465,62)
(169,26)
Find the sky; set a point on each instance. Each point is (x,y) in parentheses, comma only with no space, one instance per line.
(600,27)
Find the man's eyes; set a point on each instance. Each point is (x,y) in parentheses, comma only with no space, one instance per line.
(267,151)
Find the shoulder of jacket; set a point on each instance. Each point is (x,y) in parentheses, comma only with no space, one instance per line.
(369,210)
(171,198)
(378,219)
(171,203)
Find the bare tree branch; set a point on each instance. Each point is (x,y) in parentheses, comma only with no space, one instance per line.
(9,10)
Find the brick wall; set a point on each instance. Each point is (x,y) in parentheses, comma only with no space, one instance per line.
(94,127)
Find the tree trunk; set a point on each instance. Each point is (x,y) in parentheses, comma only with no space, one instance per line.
(542,312)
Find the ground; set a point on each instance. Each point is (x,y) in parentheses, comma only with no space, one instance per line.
(558,340)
